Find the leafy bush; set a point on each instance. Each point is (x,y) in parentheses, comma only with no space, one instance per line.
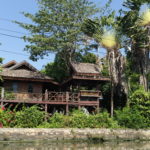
(78,119)
(57,121)
(134,81)
(33,117)
(29,117)
(130,118)
(7,117)
(101,120)
(141,100)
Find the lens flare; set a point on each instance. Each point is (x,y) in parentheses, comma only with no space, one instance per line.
(109,40)
(145,18)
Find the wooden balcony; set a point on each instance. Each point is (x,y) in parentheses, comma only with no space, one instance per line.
(82,98)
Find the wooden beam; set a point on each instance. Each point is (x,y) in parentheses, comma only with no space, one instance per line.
(82,103)
(46,95)
(46,111)
(30,79)
(67,106)
(98,108)
(90,78)
(79,107)
(67,109)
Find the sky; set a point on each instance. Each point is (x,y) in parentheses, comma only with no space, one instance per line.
(12,47)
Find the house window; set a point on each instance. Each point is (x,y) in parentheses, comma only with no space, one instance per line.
(30,88)
(15,87)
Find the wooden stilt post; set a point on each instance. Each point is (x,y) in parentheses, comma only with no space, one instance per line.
(46,95)
(79,106)
(2,93)
(67,105)
(46,110)
(67,109)
(2,96)
(98,110)
(98,105)
(112,100)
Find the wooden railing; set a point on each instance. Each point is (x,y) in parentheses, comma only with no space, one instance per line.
(53,96)
(23,96)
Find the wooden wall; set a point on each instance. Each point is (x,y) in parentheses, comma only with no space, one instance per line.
(22,92)
(23,86)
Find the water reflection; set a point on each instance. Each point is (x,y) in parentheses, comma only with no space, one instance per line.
(75,146)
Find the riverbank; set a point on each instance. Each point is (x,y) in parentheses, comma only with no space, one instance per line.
(54,145)
(39,134)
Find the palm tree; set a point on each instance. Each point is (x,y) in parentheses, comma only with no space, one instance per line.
(116,65)
(109,41)
(136,28)
(145,23)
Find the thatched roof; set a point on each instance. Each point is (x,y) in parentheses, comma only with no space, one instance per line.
(24,64)
(87,68)
(9,64)
(24,71)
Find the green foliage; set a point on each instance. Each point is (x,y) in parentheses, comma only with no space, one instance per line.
(1,59)
(106,88)
(141,100)
(135,4)
(32,117)
(100,120)
(105,67)
(56,27)
(7,117)
(58,69)
(137,38)
(130,118)
(58,121)
(78,119)
(134,82)
(148,77)
(89,58)
(29,117)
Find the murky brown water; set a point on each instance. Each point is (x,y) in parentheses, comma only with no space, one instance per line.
(75,146)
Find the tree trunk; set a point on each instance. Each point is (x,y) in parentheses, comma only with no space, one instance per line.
(141,60)
(140,64)
(119,88)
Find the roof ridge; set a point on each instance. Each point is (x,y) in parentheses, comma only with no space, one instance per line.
(24,62)
(8,63)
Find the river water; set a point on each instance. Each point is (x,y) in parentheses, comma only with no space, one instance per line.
(75,146)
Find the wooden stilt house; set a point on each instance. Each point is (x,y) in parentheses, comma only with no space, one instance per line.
(85,79)
(22,83)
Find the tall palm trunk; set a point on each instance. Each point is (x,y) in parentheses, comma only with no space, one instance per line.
(140,64)
(118,81)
